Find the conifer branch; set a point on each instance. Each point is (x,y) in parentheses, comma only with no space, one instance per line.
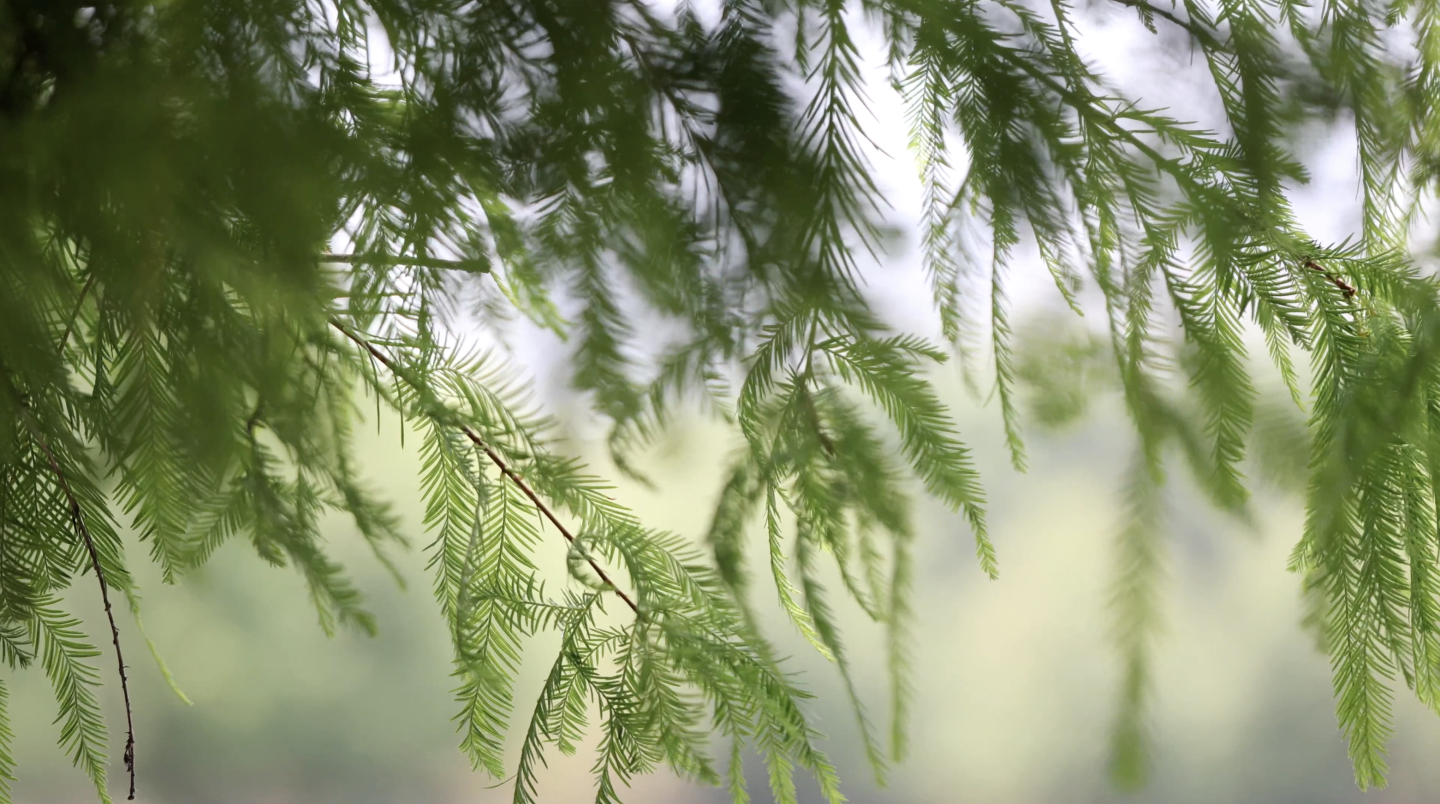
(77,519)
(1090,108)
(544,509)
(1345,287)
(468,266)
(494,457)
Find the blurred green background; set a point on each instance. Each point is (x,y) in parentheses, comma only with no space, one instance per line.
(1014,682)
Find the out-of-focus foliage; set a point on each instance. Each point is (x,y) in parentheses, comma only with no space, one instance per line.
(220,219)
(1062,371)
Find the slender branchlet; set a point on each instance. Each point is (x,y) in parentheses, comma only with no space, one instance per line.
(494,457)
(82,532)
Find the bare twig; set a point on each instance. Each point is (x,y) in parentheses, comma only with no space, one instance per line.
(494,457)
(1345,287)
(469,266)
(77,519)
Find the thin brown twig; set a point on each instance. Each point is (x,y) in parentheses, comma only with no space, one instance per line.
(77,519)
(1345,287)
(495,458)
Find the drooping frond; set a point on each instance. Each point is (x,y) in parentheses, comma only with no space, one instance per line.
(7,747)
(64,652)
(1135,586)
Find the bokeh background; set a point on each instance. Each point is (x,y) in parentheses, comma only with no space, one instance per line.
(1014,680)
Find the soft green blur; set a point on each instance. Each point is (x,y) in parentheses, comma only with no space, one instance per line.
(1013,679)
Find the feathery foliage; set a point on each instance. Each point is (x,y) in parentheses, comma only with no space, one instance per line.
(227,229)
